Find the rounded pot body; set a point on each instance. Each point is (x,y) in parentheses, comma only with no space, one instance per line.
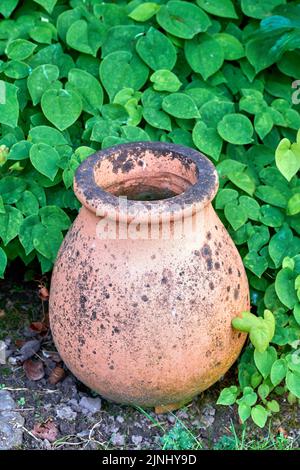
(141,311)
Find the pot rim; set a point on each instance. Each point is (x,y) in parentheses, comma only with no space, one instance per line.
(104,203)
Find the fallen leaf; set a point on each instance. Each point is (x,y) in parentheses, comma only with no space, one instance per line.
(56,375)
(28,350)
(43,293)
(19,343)
(34,370)
(46,430)
(39,327)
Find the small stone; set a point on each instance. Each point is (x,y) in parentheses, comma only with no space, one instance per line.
(136,440)
(117,439)
(6,401)
(120,419)
(73,403)
(208,417)
(66,412)
(11,432)
(171,419)
(92,405)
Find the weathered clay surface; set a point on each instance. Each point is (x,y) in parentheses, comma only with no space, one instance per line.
(148,322)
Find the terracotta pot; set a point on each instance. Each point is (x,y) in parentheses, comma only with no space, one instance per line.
(143,295)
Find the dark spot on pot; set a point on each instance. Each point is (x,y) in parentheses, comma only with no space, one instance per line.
(216,227)
(205,250)
(153,256)
(239,273)
(107,296)
(144,298)
(197,253)
(228,288)
(236,294)
(239,335)
(164,280)
(135,304)
(94,351)
(208,235)
(209,264)
(208,353)
(102,326)
(239,286)
(217,265)
(230,270)
(94,315)
(181,273)
(111,367)
(110,284)
(211,285)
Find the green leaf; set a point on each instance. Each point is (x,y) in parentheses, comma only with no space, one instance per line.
(263,391)
(273,406)
(88,88)
(26,232)
(265,360)
(182,19)
(28,204)
(243,181)
(46,241)
(261,330)
(204,55)
(244,411)
(7,7)
(297,313)
(232,47)
(228,396)
(249,397)
(11,189)
(10,223)
(223,8)
(61,107)
(48,5)
(259,8)
(278,371)
(259,415)
(279,244)
(86,37)
(122,69)
(3,259)
(263,124)
(54,217)
(164,80)
(255,263)
(180,105)
(293,206)
(45,159)
(20,49)
(41,78)
(156,50)
(284,286)
(236,129)
(9,106)
(47,135)
(293,383)
(235,214)
(287,157)
(144,12)
(207,140)
(224,196)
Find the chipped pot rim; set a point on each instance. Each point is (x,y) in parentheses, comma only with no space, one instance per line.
(104,203)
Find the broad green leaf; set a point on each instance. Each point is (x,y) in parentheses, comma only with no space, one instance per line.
(224,196)
(287,158)
(46,241)
(265,360)
(20,49)
(26,232)
(7,7)
(214,110)
(228,396)
(47,4)
(204,54)
(284,286)
(279,244)
(235,214)
(46,135)
(156,50)
(207,140)
(54,217)
(61,107)
(256,263)
(223,8)
(243,181)
(180,105)
(10,223)
(41,78)
(28,204)
(261,330)
(85,36)
(259,8)
(296,312)
(278,371)
(182,19)
(271,216)
(293,206)
(259,415)
(3,262)
(88,88)
(293,383)
(244,411)
(232,47)
(45,159)
(236,129)
(164,80)
(9,106)
(263,124)
(122,69)
(144,11)
(11,189)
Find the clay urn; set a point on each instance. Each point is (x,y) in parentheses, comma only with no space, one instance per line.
(147,280)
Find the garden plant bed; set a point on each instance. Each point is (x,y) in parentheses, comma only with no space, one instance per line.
(200,425)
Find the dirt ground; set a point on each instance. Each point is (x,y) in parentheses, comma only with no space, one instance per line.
(67,415)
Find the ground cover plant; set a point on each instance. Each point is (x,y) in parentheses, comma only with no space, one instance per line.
(220,76)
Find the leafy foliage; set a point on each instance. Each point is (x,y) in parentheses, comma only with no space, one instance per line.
(80,75)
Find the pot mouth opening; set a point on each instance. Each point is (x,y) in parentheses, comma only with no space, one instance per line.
(151,176)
